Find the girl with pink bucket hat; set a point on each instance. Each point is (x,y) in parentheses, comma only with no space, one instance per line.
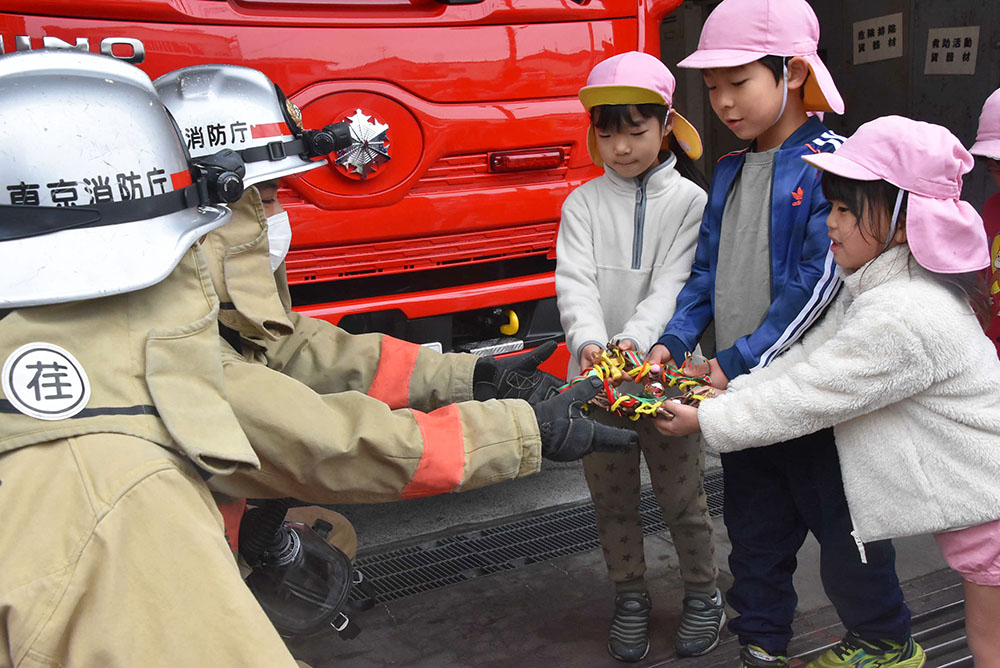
(625,246)
(899,367)
(987,147)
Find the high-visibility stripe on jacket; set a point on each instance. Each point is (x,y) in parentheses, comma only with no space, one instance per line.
(443,460)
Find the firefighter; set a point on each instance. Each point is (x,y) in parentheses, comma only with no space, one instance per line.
(113,404)
(341,418)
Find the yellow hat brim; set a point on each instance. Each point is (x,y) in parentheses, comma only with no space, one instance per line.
(593,96)
(687,136)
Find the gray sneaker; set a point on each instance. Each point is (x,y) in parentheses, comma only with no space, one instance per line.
(701,622)
(628,639)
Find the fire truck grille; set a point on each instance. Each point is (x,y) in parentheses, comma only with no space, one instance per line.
(384,258)
(402,572)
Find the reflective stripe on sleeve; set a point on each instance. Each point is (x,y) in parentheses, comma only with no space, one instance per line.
(443,460)
(395,366)
(232,515)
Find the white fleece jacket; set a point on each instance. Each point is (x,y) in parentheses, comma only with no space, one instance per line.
(901,369)
(624,250)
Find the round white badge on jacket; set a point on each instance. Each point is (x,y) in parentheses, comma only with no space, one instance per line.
(45,381)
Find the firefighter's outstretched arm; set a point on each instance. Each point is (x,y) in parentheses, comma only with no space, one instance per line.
(350,447)
(400,373)
(404,374)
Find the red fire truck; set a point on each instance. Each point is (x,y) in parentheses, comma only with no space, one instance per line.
(439,224)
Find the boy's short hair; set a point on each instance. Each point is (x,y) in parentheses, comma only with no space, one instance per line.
(612,117)
(777,66)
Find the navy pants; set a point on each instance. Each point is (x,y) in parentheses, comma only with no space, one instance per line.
(773,496)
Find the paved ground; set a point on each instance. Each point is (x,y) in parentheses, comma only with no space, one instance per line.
(556,613)
(557,484)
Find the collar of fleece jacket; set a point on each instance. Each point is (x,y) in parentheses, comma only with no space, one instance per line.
(655,182)
(892,264)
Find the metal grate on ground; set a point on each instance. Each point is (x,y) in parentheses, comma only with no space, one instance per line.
(398,573)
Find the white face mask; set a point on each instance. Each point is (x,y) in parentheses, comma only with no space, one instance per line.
(279,238)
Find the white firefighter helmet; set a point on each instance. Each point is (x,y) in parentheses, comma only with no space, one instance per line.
(239,108)
(96,191)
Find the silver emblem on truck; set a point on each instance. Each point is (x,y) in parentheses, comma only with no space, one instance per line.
(370,148)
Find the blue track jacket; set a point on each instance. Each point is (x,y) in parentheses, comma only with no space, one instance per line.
(804,277)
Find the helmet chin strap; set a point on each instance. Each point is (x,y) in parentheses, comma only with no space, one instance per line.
(784,93)
(894,224)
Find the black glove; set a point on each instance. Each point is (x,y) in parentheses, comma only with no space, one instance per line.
(568,434)
(514,377)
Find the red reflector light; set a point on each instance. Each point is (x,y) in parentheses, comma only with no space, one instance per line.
(520,161)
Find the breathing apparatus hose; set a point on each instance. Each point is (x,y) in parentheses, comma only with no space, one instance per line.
(261,527)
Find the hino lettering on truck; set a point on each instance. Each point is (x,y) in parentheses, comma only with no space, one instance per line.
(135,51)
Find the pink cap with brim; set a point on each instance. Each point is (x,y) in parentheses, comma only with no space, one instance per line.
(636,78)
(988,138)
(945,234)
(738,32)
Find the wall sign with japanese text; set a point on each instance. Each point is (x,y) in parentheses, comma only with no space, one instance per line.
(880,38)
(952,50)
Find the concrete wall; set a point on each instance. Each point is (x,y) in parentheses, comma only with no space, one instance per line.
(896,86)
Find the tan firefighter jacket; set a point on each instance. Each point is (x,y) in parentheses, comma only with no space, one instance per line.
(111,549)
(341,418)
(152,360)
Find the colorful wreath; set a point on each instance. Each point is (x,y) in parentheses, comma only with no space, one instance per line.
(616,364)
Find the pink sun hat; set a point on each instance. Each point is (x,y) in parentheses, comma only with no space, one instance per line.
(738,32)
(636,78)
(945,233)
(988,138)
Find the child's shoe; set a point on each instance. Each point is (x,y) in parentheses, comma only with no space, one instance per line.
(628,639)
(701,622)
(853,651)
(752,656)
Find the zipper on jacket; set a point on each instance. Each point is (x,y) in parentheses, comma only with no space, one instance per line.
(857,541)
(640,221)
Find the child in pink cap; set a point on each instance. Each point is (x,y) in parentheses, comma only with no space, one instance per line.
(763,274)
(625,246)
(899,366)
(987,146)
